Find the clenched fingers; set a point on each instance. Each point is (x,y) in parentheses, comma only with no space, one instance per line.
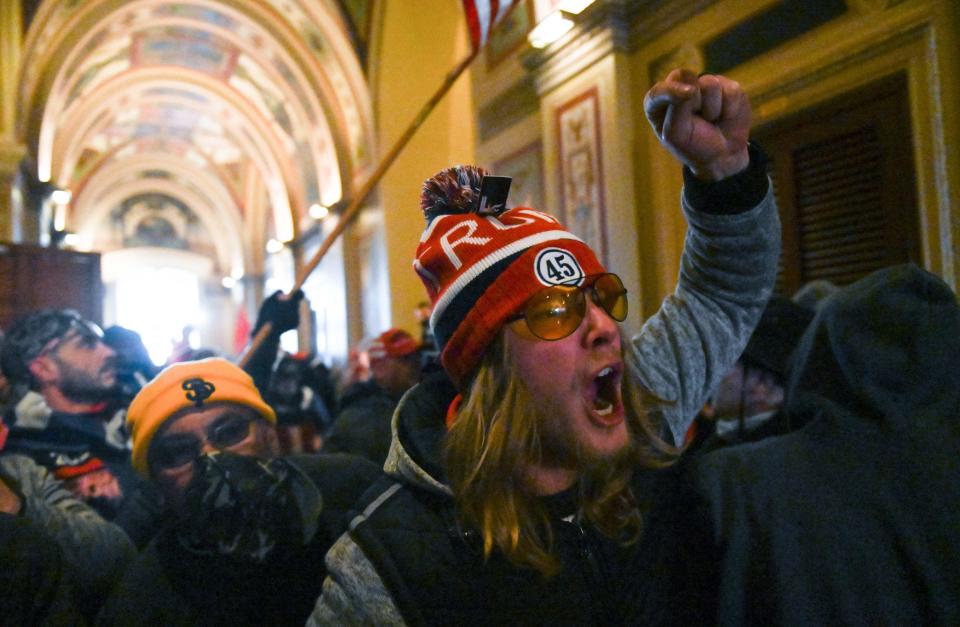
(679,87)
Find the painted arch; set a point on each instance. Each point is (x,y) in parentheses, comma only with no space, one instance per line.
(252,105)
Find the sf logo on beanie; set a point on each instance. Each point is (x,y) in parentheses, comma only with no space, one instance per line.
(555,266)
(198,390)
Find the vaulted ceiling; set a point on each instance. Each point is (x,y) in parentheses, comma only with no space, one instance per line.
(242,113)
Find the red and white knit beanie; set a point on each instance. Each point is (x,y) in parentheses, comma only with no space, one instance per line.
(481,268)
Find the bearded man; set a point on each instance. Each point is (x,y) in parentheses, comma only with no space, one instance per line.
(71,421)
(513,487)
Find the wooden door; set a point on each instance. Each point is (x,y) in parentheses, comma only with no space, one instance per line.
(844,179)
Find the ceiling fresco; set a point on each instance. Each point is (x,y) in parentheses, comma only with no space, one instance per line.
(254,108)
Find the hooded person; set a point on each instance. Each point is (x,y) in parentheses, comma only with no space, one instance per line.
(511,494)
(362,426)
(246,531)
(854,519)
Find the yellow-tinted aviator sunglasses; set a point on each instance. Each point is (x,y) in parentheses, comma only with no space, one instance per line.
(555,312)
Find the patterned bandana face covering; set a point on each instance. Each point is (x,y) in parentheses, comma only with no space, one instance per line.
(249,509)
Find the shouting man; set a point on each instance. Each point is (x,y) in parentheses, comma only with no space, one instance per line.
(516,500)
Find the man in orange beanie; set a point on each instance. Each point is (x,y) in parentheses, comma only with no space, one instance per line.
(193,408)
(246,530)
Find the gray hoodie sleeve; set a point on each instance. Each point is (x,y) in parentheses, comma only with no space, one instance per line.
(727,272)
(94,550)
(353,593)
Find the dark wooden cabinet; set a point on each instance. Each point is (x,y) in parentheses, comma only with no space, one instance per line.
(35,277)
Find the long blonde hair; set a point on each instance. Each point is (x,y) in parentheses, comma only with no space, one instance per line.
(496,436)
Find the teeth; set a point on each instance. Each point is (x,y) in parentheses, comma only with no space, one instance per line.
(605,372)
(605,411)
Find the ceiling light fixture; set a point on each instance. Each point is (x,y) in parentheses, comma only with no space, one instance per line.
(552,28)
(318,211)
(61,196)
(574,6)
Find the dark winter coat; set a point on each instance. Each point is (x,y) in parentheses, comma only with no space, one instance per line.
(855,518)
(362,427)
(34,582)
(91,553)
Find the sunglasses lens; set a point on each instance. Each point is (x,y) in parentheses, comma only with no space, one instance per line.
(612,296)
(230,432)
(175,451)
(171,453)
(555,313)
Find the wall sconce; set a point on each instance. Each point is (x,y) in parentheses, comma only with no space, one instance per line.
(556,24)
(552,28)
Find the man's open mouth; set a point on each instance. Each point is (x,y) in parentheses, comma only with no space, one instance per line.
(606,392)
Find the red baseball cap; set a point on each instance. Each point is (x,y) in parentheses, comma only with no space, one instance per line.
(392,343)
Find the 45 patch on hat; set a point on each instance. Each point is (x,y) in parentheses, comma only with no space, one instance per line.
(479,270)
(556,266)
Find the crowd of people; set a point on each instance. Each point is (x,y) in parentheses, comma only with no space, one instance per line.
(745,459)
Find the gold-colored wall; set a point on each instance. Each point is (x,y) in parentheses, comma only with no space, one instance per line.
(619,52)
(873,39)
(10,151)
(416,50)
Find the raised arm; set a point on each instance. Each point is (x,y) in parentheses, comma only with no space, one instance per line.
(729,263)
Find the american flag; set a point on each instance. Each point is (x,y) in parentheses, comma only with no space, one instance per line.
(483,16)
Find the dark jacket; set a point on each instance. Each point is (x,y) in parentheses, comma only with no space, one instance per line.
(362,427)
(34,581)
(92,551)
(76,448)
(170,584)
(855,518)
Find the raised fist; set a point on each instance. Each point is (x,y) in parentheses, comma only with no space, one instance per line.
(704,121)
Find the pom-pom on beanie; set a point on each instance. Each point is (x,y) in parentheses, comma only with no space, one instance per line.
(480,270)
(184,385)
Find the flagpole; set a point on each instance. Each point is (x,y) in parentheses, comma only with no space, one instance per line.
(361,196)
